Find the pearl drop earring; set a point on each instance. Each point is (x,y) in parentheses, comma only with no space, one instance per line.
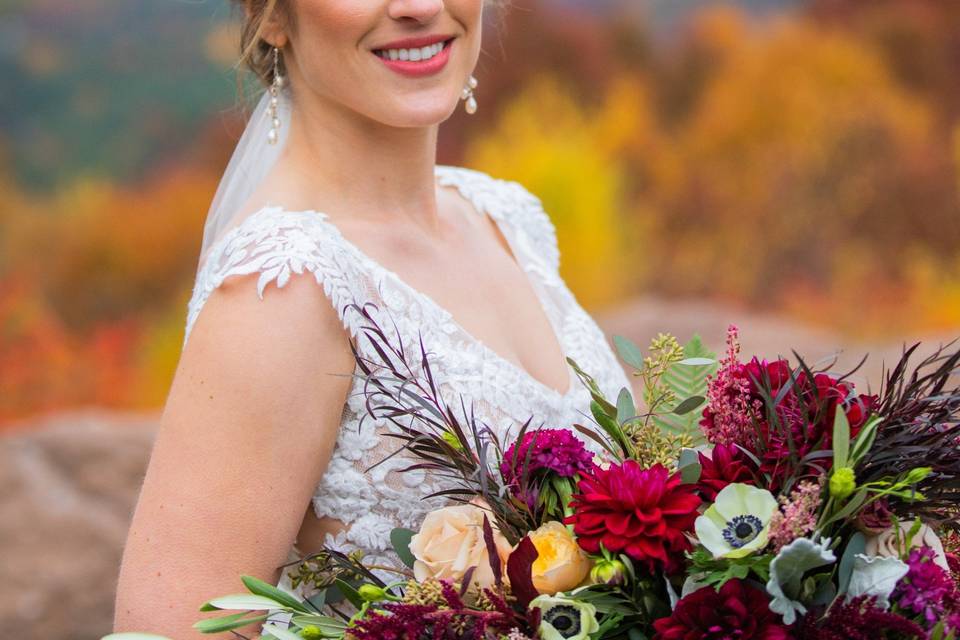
(274,134)
(471,106)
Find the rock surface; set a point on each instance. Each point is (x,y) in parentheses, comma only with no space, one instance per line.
(69,482)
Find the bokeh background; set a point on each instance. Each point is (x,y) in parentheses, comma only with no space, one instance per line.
(791,166)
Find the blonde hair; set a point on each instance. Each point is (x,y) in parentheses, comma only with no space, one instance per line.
(255,52)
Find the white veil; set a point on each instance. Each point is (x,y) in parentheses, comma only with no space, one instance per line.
(252,159)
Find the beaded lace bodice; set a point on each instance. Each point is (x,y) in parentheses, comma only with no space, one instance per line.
(278,243)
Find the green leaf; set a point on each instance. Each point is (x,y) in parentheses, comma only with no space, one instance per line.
(855,502)
(688,405)
(227,623)
(244,601)
(625,406)
(261,588)
(629,352)
(595,391)
(400,539)
(329,626)
(864,440)
(280,633)
(634,633)
(857,544)
(690,474)
(687,380)
(349,593)
(610,427)
(688,457)
(841,439)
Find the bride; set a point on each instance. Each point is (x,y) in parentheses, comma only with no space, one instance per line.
(333,197)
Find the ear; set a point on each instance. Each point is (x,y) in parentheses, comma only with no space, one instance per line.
(274,31)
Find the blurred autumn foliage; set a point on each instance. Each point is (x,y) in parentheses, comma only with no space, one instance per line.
(807,164)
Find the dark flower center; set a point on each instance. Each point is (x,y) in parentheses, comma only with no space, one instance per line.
(565,619)
(741,530)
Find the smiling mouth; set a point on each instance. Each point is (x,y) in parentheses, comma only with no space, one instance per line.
(415,54)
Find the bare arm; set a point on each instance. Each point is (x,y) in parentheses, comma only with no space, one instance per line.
(247,430)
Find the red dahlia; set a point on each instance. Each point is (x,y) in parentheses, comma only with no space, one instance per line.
(737,610)
(644,513)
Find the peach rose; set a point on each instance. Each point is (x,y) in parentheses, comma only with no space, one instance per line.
(450,541)
(885,543)
(561,563)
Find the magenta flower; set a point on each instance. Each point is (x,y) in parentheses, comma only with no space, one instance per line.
(545,450)
(927,590)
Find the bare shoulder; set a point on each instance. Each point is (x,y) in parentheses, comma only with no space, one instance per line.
(247,431)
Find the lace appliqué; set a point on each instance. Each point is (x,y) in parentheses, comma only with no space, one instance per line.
(371,499)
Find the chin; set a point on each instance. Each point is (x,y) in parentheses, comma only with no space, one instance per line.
(419,113)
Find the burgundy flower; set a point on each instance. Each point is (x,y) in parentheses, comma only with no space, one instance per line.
(737,610)
(725,465)
(875,518)
(644,513)
(773,375)
(806,414)
(859,619)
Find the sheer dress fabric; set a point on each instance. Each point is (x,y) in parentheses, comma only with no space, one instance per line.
(277,244)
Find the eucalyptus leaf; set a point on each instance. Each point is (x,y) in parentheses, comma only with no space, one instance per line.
(687,457)
(690,474)
(696,362)
(629,352)
(855,546)
(626,409)
(688,405)
(400,539)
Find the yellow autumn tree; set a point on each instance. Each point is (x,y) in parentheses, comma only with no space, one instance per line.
(547,142)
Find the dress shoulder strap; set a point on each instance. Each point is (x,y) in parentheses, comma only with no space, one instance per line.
(277,243)
(510,202)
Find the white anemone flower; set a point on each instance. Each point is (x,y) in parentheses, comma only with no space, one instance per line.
(738,522)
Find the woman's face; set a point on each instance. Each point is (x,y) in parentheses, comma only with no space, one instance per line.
(399,62)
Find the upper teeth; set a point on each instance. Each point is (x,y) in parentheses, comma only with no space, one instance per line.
(423,53)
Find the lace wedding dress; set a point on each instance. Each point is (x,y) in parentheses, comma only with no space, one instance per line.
(277,243)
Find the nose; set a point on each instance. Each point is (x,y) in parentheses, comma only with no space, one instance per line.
(419,10)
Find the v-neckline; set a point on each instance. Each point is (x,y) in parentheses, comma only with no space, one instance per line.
(458,326)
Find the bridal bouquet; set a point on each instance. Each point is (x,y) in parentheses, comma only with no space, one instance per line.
(732,499)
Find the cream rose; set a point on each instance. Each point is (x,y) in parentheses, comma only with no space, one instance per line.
(885,543)
(561,564)
(450,541)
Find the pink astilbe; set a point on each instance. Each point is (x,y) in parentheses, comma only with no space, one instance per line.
(728,417)
(797,515)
